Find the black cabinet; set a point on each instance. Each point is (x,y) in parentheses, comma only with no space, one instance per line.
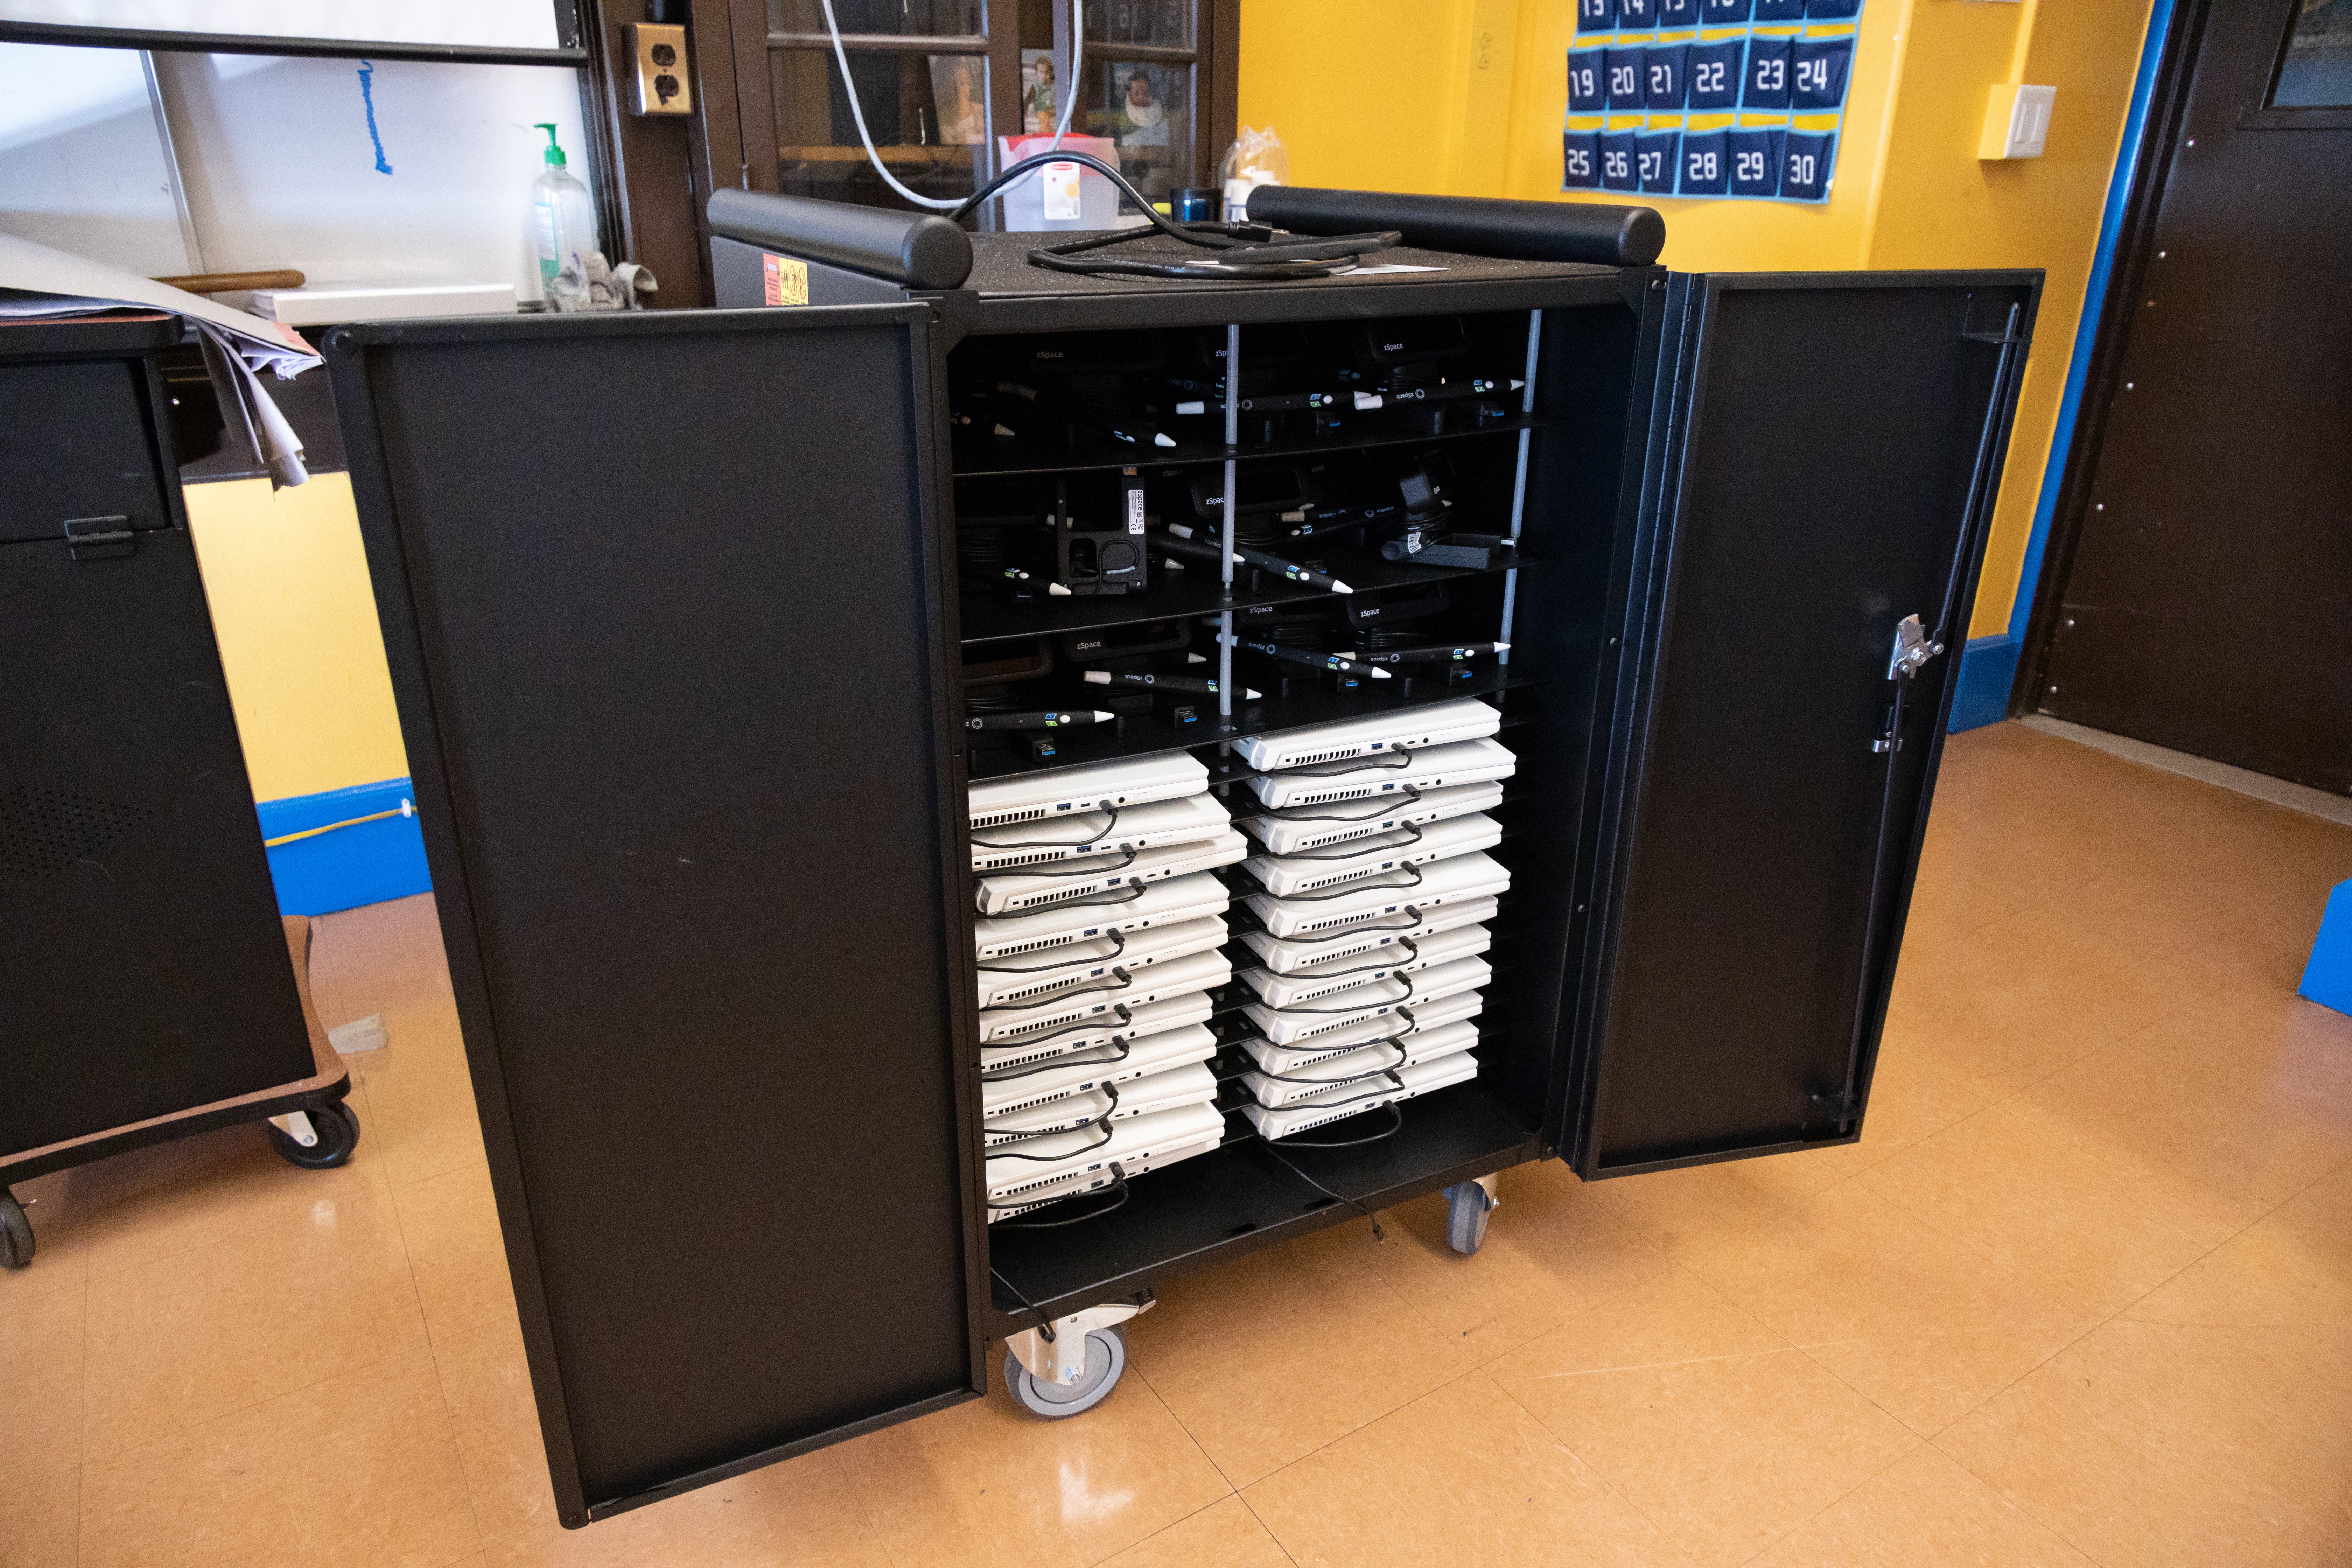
(142,967)
(673,608)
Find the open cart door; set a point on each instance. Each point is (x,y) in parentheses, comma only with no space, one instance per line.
(662,596)
(1823,457)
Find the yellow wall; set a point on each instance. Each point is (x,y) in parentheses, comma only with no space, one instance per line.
(288,582)
(1467,98)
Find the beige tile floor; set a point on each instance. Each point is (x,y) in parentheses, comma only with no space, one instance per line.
(2083,1294)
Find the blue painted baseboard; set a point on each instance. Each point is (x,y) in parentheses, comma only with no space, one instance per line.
(365,863)
(1987,667)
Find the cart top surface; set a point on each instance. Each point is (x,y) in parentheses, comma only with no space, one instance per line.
(1017,296)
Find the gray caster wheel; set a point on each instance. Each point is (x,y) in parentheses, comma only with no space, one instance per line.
(338,1127)
(15,1232)
(1106,1362)
(1467,1207)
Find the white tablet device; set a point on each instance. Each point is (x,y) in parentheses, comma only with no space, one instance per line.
(1339,1104)
(1308,953)
(1157,983)
(1460,1007)
(1105,1038)
(1007,892)
(1193,1084)
(1400,730)
(1055,1080)
(1072,1162)
(1294,1026)
(1327,984)
(1288,876)
(1107,832)
(1119,910)
(1307,827)
(1463,762)
(1036,979)
(1378,899)
(1274,1091)
(1066,792)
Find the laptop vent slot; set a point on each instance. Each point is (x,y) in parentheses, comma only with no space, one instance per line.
(999,818)
(1038,946)
(1036,858)
(1338,754)
(1326,796)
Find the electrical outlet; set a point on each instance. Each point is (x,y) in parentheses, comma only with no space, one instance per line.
(658,84)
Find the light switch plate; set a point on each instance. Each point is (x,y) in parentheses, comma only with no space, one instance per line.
(658,77)
(2017,122)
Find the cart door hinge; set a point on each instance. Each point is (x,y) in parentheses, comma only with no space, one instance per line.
(100,538)
(1840,1107)
(1912,650)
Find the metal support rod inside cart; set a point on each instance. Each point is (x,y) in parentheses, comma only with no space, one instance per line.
(1519,481)
(1232,435)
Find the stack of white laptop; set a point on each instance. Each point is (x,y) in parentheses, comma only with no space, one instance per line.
(1375,889)
(1101,933)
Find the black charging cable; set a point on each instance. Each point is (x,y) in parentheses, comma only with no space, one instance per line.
(979,843)
(1118,1185)
(1066,962)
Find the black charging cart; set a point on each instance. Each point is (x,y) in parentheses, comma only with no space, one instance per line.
(683,643)
(146,987)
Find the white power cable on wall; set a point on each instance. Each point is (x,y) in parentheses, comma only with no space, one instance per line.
(858,110)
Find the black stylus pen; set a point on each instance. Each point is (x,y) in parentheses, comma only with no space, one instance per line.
(1448,654)
(1309,655)
(1199,685)
(1185,540)
(1051,719)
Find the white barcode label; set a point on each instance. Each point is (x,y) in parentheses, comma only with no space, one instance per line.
(1135,509)
(1061,187)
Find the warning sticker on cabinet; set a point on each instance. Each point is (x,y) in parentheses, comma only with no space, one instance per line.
(787,279)
(1060,185)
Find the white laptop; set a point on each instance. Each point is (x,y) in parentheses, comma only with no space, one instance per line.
(1274,1091)
(1067,792)
(1295,1026)
(1288,876)
(1056,838)
(1073,1163)
(1039,978)
(1380,898)
(1193,1084)
(1353,1099)
(1336,947)
(1105,1038)
(1463,762)
(1060,1079)
(1305,828)
(1405,729)
(1119,910)
(1457,1008)
(1316,982)
(1158,982)
(1008,892)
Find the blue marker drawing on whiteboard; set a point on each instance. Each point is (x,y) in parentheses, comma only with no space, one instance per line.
(367,97)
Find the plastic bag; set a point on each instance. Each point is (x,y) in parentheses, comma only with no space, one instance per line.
(1257,158)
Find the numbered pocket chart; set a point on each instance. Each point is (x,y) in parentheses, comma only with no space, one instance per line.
(1734,99)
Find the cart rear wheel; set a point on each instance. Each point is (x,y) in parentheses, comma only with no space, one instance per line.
(15,1232)
(338,1127)
(1105,1361)
(1468,1208)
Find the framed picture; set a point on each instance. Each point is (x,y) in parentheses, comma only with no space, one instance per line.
(1040,102)
(960,93)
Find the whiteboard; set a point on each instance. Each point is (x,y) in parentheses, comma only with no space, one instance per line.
(460,25)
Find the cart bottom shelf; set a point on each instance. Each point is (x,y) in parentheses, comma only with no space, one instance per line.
(1235,1199)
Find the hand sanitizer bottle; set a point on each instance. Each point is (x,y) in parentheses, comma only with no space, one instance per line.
(563,221)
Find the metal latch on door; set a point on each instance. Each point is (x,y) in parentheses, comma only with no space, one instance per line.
(1912,651)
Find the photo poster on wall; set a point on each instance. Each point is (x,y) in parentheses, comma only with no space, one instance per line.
(1735,100)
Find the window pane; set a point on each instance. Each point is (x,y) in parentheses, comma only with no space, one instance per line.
(908,18)
(1147,110)
(2318,71)
(1167,23)
(928,114)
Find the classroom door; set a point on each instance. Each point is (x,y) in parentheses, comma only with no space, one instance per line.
(1821,468)
(663,598)
(2205,605)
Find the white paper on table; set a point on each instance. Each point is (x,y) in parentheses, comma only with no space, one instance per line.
(36,281)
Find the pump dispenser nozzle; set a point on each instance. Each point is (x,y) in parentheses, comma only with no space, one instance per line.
(553,156)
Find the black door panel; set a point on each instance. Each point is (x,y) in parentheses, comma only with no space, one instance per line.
(1822,473)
